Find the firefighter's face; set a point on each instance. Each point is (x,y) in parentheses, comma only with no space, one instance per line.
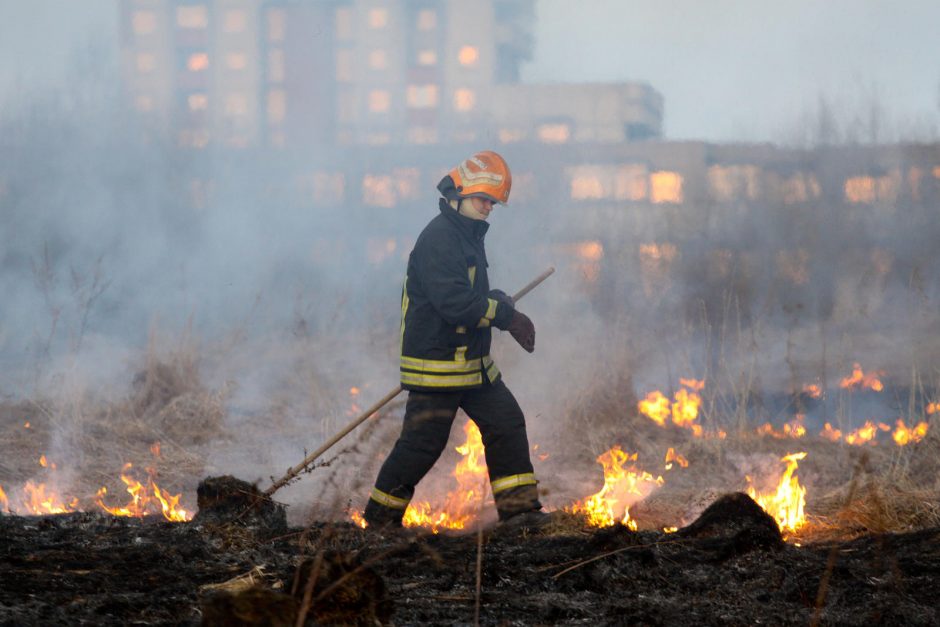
(483,206)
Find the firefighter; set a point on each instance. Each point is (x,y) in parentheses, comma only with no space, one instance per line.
(447,314)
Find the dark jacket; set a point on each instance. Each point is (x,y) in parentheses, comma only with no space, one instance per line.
(447,311)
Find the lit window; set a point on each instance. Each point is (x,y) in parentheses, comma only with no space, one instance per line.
(665,187)
(422,96)
(554,133)
(197,62)
(344,66)
(276,66)
(144,22)
(589,182)
(860,189)
(510,135)
(427,19)
(379,101)
(236,61)
(464,99)
(277,21)
(427,57)
(469,55)
(197,102)
(343,24)
(234,21)
(146,62)
(936,172)
(192,17)
(378,18)
(277,106)
(378,191)
(236,105)
(466,135)
(378,60)
(144,103)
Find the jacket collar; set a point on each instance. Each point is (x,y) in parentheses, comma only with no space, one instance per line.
(473,229)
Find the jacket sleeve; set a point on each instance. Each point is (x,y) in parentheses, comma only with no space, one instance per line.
(442,272)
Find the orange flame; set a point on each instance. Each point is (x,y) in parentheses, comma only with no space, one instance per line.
(831,434)
(864,434)
(933,408)
(792,429)
(145,499)
(38,502)
(610,506)
(462,504)
(860,380)
(904,435)
(4,501)
(683,410)
(813,390)
(672,456)
(787,503)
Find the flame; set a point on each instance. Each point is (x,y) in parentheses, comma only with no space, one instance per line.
(357,518)
(787,503)
(672,456)
(933,408)
(793,429)
(26,425)
(831,434)
(145,499)
(683,410)
(670,529)
(155,449)
(4,501)
(462,503)
(813,390)
(860,380)
(609,506)
(42,461)
(904,435)
(38,502)
(591,250)
(354,391)
(865,433)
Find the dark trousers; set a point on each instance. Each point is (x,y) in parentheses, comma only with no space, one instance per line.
(428,420)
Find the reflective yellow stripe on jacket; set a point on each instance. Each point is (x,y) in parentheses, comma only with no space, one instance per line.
(458,373)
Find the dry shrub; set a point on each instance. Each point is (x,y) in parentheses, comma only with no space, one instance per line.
(880,505)
(193,417)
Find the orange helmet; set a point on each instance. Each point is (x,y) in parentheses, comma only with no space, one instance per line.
(484,174)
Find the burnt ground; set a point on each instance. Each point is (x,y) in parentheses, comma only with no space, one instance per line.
(728,567)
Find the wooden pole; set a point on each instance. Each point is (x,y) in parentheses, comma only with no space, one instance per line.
(361,418)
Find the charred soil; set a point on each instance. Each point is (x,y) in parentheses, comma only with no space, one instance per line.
(728,567)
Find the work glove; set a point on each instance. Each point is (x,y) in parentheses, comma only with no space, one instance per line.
(522,330)
(501,297)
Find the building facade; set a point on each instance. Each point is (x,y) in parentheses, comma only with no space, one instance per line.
(244,73)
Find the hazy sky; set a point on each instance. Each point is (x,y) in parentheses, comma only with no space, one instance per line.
(729,69)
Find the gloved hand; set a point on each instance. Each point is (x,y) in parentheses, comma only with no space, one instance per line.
(522,330)
(502,297)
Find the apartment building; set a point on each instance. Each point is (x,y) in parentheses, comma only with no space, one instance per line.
(288,74)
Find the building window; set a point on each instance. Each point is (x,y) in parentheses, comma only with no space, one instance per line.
(197,102)
(378,18)
(422,135)
(464,99)
(146,62)
(665,188)
(144,22)
(192,17)
(427,19)
(380,101)
(469,56)
(277,24)
(197,62)
(277,106)
(344,66)
(422,96)
(554,133)
(344,23)
(236,105)
(427,57)
(236,61)
(378,59)
(276,66)
(144,103)
(235,21)
(511,135)
(631,182)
